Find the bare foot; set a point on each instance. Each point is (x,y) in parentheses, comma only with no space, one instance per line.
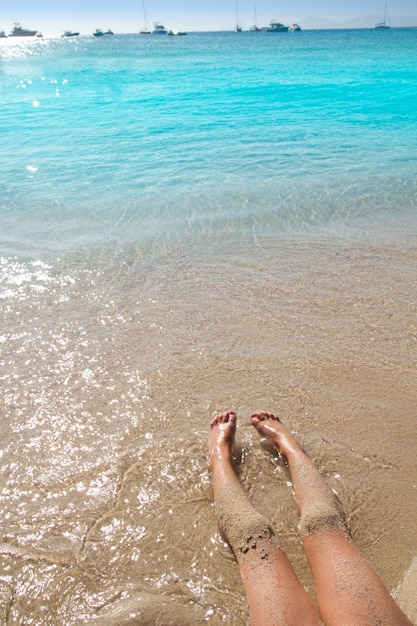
(221,437)
(270,426)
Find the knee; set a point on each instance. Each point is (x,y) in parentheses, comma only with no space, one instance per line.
(252,533)
(244,528)
(322,517)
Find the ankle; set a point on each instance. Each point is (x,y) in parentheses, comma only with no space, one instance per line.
(220,455)
(288,446)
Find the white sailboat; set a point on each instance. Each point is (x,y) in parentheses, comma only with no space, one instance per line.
(238,28)
(255,28)
(383,25)
(145,31)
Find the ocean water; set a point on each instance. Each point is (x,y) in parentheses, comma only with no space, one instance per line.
(187,225)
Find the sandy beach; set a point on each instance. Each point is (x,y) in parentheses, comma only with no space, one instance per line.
(121,511)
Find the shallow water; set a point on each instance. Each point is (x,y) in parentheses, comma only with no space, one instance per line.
(231,274)
(106,496)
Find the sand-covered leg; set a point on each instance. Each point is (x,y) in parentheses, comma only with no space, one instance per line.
(349,592)
(275,595)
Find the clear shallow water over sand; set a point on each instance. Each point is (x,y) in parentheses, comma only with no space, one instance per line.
(186,226)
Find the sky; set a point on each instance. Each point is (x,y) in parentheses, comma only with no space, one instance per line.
(52,17)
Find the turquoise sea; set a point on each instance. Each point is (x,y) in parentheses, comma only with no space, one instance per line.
(187,225)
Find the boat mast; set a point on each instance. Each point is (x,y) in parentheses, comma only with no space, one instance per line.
(385,15)
(144,15)
(238,29)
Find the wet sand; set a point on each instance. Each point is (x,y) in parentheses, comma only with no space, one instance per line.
(111,374)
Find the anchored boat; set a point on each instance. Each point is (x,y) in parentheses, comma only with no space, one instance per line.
(385,25)
(277,27)
(19,31)
(159,29)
